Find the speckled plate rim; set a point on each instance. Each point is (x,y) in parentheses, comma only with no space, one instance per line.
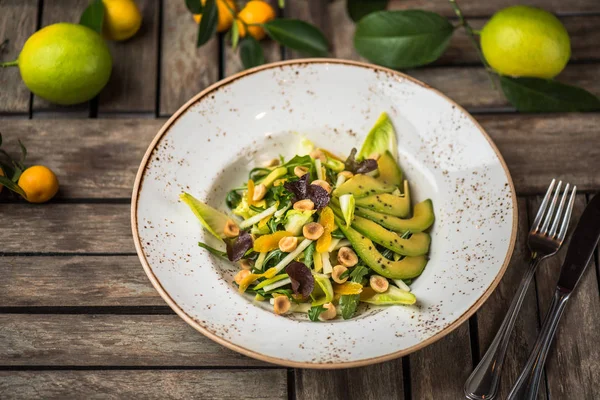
(288,363)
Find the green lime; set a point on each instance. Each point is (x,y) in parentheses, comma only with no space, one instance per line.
(526,41)
(65,63)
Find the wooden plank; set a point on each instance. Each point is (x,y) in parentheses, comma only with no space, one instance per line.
(18,20)
(491,314)
(71,228)
(75,281)
(185,70)
(573,364)
(109,340)
(489,7)
(257,384)
(379,381)
(52,13)
(132,85)
(439,371)
(313,11)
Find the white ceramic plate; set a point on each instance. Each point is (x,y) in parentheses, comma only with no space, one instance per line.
(210,144)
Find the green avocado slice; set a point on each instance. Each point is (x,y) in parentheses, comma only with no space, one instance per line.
(274,175)
(390,204)
(363,185)
(407,268)
(416,245)
(422,218)
(389,171)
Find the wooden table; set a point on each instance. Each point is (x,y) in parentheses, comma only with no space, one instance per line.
(78,315)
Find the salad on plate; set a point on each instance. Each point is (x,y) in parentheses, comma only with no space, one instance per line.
(320,234)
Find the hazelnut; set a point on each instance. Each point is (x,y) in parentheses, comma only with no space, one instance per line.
(329,313)
(346,174)
(231,229)
(245,264)
(313,230)
(239,277)
(347,257)
(304,205)
(281,304)
(323,184)
(272,163)
(378,283)
(288,244)
(259,192)
(318,154)
(338,270)
(300,171)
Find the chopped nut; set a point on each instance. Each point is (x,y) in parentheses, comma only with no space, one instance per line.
(346,174)
(347,257)
(288,244)
(231,229)
(259,192)
(338,270)
(329,313)
(313,230)
(241,275)
(272,163)
(245,264)
(300,171)
(304,205)
(323,184)
(378,283)
(318,154)
(281,304)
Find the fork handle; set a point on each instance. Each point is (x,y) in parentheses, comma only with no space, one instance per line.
(483,382)
(528,383)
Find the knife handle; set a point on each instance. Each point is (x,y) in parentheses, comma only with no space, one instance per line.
(527,385)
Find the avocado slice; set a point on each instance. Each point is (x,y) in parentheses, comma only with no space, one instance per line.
(273,176)
(363,185)
(406,268)
(389,171)
(422,218)
(416,245)
(398,206)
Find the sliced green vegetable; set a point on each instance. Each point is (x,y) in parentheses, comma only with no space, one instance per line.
(273,176)
(309,254)
(278,284)
(391,296)
(305,147)
(386,203)
(213,220)
(267,282)
(334,165)
(380,139)
(323,292)
(389,170)
(291,256)
(213,251)
(423,217)
(362,186)
(296,219)
(260,260)
(256,219)
(319,169)
(347,203)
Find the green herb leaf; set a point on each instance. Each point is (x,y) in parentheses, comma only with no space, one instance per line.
(298,35)
(309,255)
(213,251)
(232,199)
(195,6)
(543,95)
(23,151)
(10,185)
(348,304)
(251,52)
(314,312)
(359,8)
(93,16)
(358,273)
(208,23)
(345,274)
(402,39)
(235,35)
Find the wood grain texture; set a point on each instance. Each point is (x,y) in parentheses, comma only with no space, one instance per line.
(109,340)
(52,13)
(489,7)
(573,364)
(270,384)
(75,281)
(439,371)
(185,69)
(70,228)
(17,22)
(312,11)
(492,313)
(132,84)
(375,382)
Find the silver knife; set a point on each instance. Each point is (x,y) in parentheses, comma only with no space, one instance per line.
(581,249)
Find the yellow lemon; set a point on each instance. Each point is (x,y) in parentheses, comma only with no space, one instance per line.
(39,184)
(225,8)
(255,12)
(122,19)
(526,41)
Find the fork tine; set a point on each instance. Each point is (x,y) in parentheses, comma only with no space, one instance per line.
(538,218)
(565,223)
(561,205)
(550,214)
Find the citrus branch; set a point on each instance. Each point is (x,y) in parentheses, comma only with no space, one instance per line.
(9,64)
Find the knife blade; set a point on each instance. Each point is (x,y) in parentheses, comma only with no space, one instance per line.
(581,249)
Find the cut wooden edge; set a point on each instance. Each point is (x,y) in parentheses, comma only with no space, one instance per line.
(281,361)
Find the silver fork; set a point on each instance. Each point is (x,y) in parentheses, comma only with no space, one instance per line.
(547,234)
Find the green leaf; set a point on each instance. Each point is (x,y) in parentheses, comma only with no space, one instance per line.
(348,304)
(251,52)
(314,312)
(544,95)
(208,23)
(195,6)
(359,8)
(23,151)
(298,35)
(235,35)
(213,251)
(93,16)
(381,138)
(402,39)
(12,186)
